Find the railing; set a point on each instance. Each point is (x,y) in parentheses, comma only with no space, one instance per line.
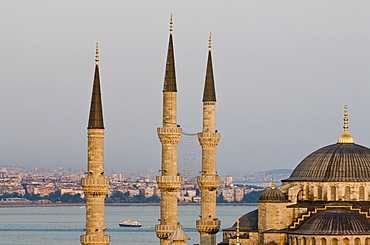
(95,239)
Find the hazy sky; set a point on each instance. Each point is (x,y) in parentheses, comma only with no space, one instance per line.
(283,72)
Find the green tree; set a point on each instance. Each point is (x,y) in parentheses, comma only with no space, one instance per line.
(69,198)
(252,197)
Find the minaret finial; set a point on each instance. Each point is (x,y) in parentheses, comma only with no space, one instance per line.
(210,41)
(97,54)
(273,184)
(345,119)
(171,24)
(345,137)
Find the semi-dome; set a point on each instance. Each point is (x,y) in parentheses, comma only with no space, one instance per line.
(336,221)
(273,195)
(248,222)
(337,162)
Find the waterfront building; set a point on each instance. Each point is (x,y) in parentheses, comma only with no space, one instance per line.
(325,200)
(95,185)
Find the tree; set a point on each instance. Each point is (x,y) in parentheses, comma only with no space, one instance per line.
(69,198)
(252,197)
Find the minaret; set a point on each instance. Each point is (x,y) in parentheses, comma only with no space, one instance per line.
(95,185)
(208,225)
(169,135)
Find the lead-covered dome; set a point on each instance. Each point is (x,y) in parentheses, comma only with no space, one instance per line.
(337,221)
(248,222)
(337,162)
(273,195)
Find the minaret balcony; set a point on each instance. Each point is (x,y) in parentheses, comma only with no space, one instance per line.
(95,182)
(210,183)
(95,187)
(164,231)
(169,183)
(93,239)
(208,226)
(209,139)
(170,136)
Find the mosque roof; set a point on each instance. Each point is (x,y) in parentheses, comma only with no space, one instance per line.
(343,161)
(336,221)
(273,195)
(337,162)
(248,222)
(178,235)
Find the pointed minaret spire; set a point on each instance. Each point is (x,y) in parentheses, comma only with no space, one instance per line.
(345,138)
(94,184)
(96,109)
(209,181)
(169,134)
(209,87)
(170,76)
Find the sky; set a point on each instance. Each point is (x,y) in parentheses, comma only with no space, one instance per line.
(283,72)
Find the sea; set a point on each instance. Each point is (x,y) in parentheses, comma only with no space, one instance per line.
(63,225)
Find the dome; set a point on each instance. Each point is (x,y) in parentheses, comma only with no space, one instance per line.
(273,195)
(336,221)
(248,222)
(337,162)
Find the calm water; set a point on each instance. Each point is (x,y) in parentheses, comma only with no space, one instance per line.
(64,225)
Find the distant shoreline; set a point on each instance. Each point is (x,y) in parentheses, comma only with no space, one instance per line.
(114,204)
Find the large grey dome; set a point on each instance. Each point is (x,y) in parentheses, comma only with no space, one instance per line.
(336,221)
(337,162)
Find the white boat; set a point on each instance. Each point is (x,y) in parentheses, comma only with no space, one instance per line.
(129,223)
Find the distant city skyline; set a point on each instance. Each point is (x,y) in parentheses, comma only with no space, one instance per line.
(283,72)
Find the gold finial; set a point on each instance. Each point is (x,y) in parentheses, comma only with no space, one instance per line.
(238,232)
(210,41)
(171,24)
(273,184)
(345,138)
(97,54)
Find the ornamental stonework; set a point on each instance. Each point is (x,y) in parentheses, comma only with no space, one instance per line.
(210,183)
(169,183)
(169,136)
(209,139)
(208,226)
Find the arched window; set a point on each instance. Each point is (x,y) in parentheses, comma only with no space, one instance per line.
(333,193)
(319,193)
(296,241)
(300,195)
(303,241)
(323,241)
(313,241)
(357,241)
(347,193)
(307,193)
(346,241)
(367,241)
(334,241)
(362,193)
(290,240)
